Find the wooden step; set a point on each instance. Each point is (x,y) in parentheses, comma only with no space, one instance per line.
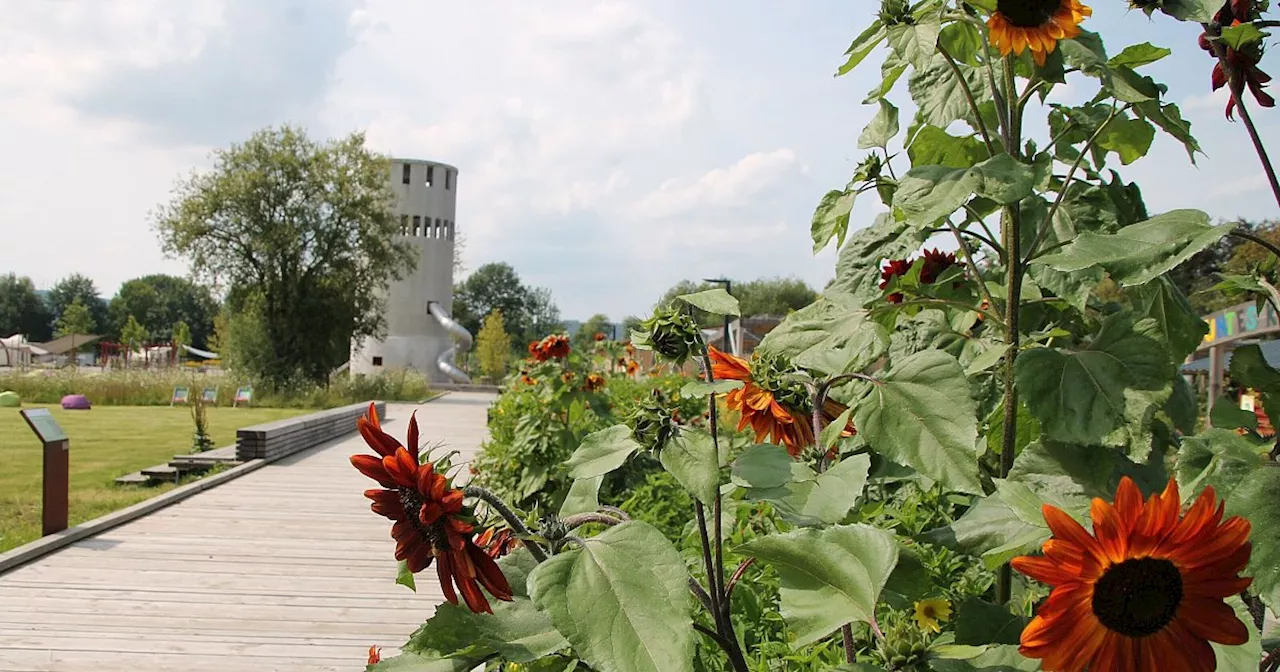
(136,478)
(162,472)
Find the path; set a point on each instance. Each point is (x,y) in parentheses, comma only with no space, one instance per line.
(285,568)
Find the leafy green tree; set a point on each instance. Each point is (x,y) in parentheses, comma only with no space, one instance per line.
(527,312)
(159,302)
(493,347)
(765,296)
(586,334)
(77,286)
(306,230)
(75,319)
(132,335)
(181,334)
(22,311)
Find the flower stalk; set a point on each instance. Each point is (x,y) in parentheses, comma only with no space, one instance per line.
(500,507)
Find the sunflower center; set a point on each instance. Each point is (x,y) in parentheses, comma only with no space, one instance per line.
(412,502)
(1138,597)
(1028,13)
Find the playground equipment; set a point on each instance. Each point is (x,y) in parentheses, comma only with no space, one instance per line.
(420,332)
(445,361)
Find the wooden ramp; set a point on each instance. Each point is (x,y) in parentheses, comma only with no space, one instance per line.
(285,568)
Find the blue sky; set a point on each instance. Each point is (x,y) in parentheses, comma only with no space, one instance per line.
(606,149)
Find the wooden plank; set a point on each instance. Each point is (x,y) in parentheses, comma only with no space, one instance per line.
(283,569)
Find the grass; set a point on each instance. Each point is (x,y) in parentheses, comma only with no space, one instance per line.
(106,442)
(154,387)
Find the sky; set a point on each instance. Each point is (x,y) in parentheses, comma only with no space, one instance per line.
(607,149)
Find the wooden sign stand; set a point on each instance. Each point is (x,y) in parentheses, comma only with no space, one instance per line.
(57,468)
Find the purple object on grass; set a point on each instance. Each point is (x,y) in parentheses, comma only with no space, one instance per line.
(75,402)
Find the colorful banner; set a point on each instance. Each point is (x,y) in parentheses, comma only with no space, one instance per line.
(1239,321)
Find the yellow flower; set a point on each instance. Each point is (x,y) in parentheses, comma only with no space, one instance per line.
(929,612)
(1038,25)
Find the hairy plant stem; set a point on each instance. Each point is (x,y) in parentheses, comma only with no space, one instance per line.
(579,519)
(969,261)
(488,497)
(819,400)
(973,104)
(1010,230)
(715,566)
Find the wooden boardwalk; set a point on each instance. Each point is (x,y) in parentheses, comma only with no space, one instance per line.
(285,568)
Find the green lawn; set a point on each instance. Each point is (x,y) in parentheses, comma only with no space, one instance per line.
(106,442)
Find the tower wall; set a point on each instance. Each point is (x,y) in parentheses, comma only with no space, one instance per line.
(426,204)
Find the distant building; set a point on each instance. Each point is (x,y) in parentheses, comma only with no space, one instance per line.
(426,199)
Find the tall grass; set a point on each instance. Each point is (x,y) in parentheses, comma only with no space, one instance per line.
(154,387)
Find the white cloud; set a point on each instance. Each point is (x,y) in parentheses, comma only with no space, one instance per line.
(606,148)
(731,185)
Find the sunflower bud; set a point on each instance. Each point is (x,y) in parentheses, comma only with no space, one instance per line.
(671,333)
(551,528)
(775,374)
(904,647)
(652,424)
(894,12)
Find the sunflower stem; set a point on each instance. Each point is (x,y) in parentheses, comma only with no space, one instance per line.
(579,519)
(1066,184)
(846,638)
(715,573)
(1236,88)
(488,497)
(1011,232)
(968,96)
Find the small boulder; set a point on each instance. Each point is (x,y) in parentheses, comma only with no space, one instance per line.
(10,400)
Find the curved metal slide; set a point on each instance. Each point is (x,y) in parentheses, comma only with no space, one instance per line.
(463,337)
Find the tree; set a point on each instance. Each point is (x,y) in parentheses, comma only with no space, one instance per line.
(132,335)
(586,334)
(221,338)
(306,231)
(493,347)
(527,312)
(22,311)
(75,320)
(181,334)
(765,296)
(159,302)
(77,286)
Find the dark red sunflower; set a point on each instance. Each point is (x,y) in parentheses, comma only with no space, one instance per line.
(556,346)
(1241,69)
(593,382)
(599,337)
(935,263)
(894,268)
(759,407)
(431,521)
(1145,591)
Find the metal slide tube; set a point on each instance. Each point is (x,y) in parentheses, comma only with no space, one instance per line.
(463,338)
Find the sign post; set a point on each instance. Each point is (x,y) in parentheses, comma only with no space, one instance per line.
(57,464)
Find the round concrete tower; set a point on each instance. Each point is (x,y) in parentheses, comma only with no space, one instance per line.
(420,334)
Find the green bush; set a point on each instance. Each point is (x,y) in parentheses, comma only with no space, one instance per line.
(544,412)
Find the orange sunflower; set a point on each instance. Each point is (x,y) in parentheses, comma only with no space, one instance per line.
(1018,25)
(1145,591)
(430,520)
(786,424)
